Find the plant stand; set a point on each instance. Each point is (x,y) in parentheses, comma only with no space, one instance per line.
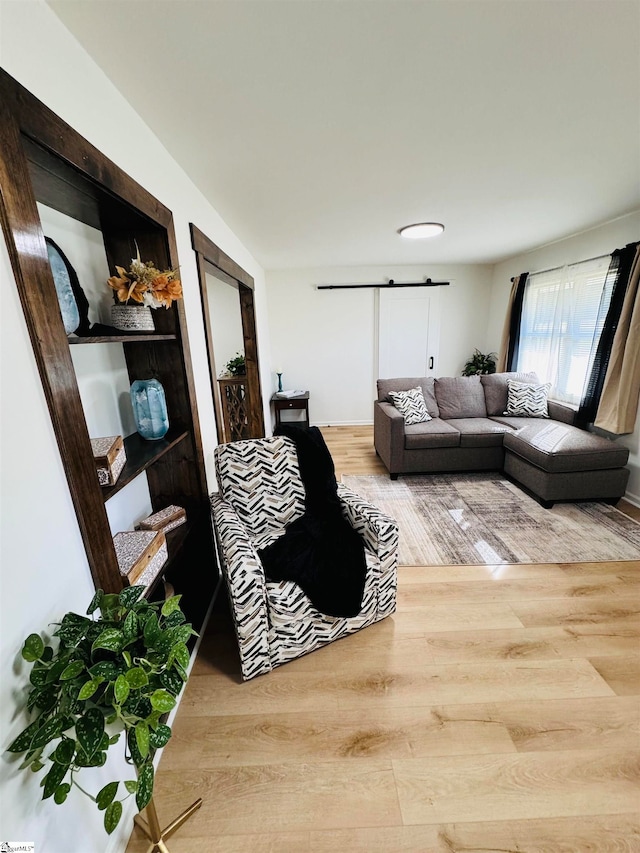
(154,833)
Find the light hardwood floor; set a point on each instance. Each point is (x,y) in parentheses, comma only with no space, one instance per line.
(491,712)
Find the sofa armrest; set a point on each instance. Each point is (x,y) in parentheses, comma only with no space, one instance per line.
(561,412)
(246,585)
(380,534)
(388,435)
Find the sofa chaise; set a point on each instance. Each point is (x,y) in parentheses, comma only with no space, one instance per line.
(470,426)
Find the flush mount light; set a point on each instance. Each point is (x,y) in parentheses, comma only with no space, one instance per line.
(421,230)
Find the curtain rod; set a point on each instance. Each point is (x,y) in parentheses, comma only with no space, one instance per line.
(553,269)
(392,283)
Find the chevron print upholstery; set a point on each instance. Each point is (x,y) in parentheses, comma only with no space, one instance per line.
(527,399)
(411,405)
(260,492)
(262,481)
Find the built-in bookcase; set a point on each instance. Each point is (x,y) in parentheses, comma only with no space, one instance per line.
(45,163)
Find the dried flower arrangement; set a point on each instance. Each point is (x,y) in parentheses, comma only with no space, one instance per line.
(146,285)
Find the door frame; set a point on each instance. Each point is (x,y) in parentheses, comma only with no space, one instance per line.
(207,253)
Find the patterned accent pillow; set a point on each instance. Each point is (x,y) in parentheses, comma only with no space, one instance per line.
(411,405)
(526,399)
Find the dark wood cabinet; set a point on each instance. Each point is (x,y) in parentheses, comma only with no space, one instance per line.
(43,160)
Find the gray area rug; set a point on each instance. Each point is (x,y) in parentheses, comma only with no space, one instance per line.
(482,518)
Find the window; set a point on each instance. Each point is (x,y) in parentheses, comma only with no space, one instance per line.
(563,312)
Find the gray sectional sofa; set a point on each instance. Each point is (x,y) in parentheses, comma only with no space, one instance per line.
(549,457)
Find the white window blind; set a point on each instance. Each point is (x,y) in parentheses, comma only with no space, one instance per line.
(561,318)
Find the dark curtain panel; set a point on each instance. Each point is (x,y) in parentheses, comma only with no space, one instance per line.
(611,307)
(514,326)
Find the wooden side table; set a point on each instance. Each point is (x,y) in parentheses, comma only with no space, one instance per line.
(291,404)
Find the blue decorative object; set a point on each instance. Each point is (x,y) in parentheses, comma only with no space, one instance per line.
(64,290)
(149,408)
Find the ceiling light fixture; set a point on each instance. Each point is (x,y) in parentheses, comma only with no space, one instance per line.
(421,230)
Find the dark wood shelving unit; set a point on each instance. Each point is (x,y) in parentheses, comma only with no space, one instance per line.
(42,159)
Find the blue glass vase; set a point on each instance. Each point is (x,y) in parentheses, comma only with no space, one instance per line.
(149,408)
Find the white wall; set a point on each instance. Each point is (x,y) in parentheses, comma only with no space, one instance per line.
(325,340)
(43,569)
(588,244)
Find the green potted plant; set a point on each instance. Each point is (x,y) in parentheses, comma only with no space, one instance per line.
(116,671)
(236,366)
(479,363)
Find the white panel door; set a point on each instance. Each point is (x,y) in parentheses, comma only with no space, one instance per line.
(408,331)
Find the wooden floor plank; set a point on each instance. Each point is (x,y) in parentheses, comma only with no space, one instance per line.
(518,787)
(622,673)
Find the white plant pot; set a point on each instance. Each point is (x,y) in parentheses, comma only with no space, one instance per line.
(132,318)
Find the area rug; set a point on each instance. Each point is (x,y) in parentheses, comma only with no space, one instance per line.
(482,518)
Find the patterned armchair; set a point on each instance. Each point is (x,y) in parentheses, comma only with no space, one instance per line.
(260,493)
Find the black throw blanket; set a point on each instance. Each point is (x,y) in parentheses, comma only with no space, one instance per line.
(320,551)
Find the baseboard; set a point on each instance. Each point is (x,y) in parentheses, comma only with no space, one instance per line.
(632,499)
(342,423)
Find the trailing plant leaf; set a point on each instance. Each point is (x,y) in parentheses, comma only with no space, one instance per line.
(121,689)
(63,753)
(53,778)
(129,595)
(111,639)
(33,647)
(171,605)
(89,730)
(131,785)
(137,678)
(107,669)
(51,730)
(142,738)
(145,786)
(23,741)
(72,670)
(112,816)
(106,795)
(162,701)
(61,793)
(89,688)
(95,602)
(160,737)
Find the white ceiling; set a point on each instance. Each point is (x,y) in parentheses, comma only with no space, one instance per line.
(317,128)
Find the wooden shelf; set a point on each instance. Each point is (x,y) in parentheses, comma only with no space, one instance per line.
(140,454)
(125,337)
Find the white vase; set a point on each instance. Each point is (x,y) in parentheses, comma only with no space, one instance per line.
(132,318)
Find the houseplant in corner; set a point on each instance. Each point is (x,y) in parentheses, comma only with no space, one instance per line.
(111,677)
(479,363)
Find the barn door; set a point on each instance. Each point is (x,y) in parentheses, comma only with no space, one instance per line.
(408,331)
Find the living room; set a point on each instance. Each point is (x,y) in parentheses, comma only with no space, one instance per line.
(324,341)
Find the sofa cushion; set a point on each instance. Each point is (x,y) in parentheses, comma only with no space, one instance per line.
(560,448)
(432,434)
(460,397)
(480,432)
(495,389)
(411,405)
(527,398)
(515,422)
(385,386)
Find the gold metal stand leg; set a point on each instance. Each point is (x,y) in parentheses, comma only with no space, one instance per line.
(154,833)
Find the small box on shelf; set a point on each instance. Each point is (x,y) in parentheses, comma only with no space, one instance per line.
(110,456)
(141,554)
(165,519)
